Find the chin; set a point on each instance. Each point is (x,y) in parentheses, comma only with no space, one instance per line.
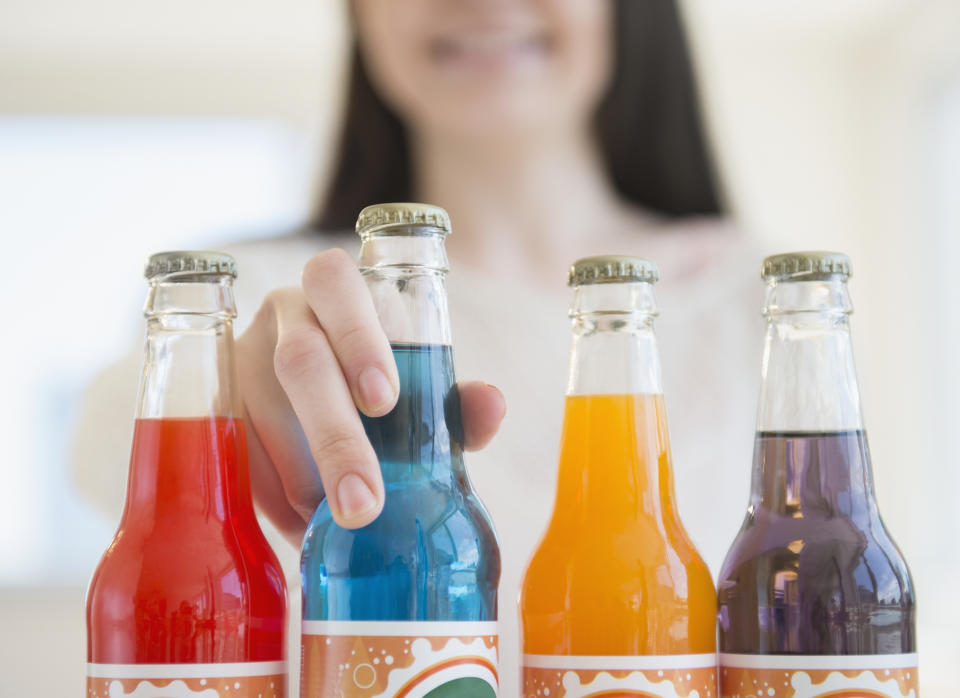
(500,116)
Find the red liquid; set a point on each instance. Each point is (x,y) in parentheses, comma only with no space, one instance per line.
(189,577)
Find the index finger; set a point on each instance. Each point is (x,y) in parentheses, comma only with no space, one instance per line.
(339,298)
(310,376)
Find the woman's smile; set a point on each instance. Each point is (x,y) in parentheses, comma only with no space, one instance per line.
(490,49)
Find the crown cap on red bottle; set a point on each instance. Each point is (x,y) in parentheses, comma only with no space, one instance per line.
(190,262)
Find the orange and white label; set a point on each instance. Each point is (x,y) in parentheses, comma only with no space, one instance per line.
(651,676)
(236,680)
(818,676)
(395,659)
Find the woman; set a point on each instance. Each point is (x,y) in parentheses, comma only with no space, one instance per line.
(550,130)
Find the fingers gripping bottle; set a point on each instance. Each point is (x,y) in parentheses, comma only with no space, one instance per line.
(616,601)
(815,598)
(407,606)
(188,599)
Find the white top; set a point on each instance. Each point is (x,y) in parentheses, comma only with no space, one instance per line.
(517,337)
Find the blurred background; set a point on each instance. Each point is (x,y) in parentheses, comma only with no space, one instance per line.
(128,127)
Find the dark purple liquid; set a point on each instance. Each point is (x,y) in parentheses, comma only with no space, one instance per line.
(813,570)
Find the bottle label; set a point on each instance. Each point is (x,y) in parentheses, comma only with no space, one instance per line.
(228,680)
(818,676)
(397,659)
(651,676)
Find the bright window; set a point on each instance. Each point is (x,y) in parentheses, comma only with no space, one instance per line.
(84,201)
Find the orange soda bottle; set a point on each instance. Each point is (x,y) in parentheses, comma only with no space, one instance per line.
(616,601)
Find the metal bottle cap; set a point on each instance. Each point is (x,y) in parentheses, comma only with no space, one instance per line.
(612,269)
(813,265)
(190,262)
(399,218)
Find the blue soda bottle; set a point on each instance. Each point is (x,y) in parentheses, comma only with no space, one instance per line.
(406,606)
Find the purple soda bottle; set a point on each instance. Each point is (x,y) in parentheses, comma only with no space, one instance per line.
(814,596)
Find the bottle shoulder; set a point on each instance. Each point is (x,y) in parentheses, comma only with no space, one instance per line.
(642,543)
(615,564)
(417,520)
(838,552)
(179,563)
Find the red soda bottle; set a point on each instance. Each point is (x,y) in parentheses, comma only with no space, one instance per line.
(189,599)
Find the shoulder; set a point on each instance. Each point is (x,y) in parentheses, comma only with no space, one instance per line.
(696,250)
(707,264)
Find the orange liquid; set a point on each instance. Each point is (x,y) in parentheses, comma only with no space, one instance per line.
(615,573)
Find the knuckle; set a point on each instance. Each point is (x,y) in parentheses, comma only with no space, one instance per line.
(329,264)
(303,495)
(304,506)
(298,352)
(338,447)
(282,297)
(277,298)
(354,340)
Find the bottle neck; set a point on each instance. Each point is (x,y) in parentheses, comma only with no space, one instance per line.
(614,349)
(189,368)
(615,454)
(189,450)
(405,272)
(808,379)
(811,453)
(420,440)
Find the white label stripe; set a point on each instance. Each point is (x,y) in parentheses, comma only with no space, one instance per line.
(185,671)
(653,662)
(400,628)
(815,662)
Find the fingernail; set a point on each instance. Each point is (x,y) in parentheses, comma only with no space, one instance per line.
(375,389)
(354,497)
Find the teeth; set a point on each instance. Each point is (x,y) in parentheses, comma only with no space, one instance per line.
(486,42)
(489,43)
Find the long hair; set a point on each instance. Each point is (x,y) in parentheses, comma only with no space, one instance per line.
(648,128)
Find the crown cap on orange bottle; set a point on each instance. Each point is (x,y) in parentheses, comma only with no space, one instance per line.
(608,269)
(803,266)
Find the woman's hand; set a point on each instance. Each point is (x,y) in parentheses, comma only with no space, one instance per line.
(311,358)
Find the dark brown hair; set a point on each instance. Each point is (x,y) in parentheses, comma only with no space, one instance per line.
(648,128)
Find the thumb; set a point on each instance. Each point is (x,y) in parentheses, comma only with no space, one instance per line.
(482,407)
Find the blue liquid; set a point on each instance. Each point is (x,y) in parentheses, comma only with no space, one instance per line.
(432,554)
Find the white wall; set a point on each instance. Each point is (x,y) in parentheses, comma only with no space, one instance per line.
(838,128)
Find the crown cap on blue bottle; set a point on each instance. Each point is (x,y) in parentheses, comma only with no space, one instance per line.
(403,219)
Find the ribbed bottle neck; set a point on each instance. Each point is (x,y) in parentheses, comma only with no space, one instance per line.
(808,377)
(614,348)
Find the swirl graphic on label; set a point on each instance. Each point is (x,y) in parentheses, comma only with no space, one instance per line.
(373,659)
(815,676)
(661,676)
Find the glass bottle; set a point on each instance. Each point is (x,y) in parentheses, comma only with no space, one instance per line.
(189,596)
(813,582)
(411,599)
(616,600)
